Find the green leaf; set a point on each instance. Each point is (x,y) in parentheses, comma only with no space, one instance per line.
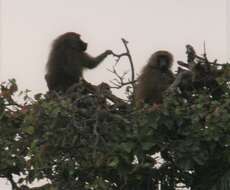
(114,162)
(30,130)
(147,146)
(127,146)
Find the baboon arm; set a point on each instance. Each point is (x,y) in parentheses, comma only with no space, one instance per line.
(92,62)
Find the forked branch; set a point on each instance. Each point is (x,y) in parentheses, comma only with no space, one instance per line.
(120,83)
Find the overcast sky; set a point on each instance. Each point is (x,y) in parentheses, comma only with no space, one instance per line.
(29,26)
(228,29)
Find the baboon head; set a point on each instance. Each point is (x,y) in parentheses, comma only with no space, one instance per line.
(68,41)
(161,60)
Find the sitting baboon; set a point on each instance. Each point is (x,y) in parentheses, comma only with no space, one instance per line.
(67,60)
(155,78)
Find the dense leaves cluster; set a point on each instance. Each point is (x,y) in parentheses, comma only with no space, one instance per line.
(85,142)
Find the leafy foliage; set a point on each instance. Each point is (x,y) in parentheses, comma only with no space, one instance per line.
(83,141)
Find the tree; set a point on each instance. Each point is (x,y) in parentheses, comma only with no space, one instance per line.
(92,139)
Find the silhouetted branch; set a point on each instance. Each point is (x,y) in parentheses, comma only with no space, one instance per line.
(119,81)
(125,42)
(192,55)
(200,72)
(101,90)
(119,56)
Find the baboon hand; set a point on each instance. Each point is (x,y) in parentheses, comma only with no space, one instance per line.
(109,52)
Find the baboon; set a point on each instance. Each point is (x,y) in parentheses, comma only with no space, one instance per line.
(155,78)
(67,60)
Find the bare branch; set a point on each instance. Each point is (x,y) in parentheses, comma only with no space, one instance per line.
(122,84)
(192,56)
(119,81)
(121,78)
(119,56)
(103,89)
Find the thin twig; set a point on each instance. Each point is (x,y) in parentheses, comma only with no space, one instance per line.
(121,83)
(205,52)
(119,56)
(125,42)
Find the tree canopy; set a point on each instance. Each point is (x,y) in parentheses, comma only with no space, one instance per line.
(93,140)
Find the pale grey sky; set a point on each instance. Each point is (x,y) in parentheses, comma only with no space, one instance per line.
(29,26)
(228,29)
